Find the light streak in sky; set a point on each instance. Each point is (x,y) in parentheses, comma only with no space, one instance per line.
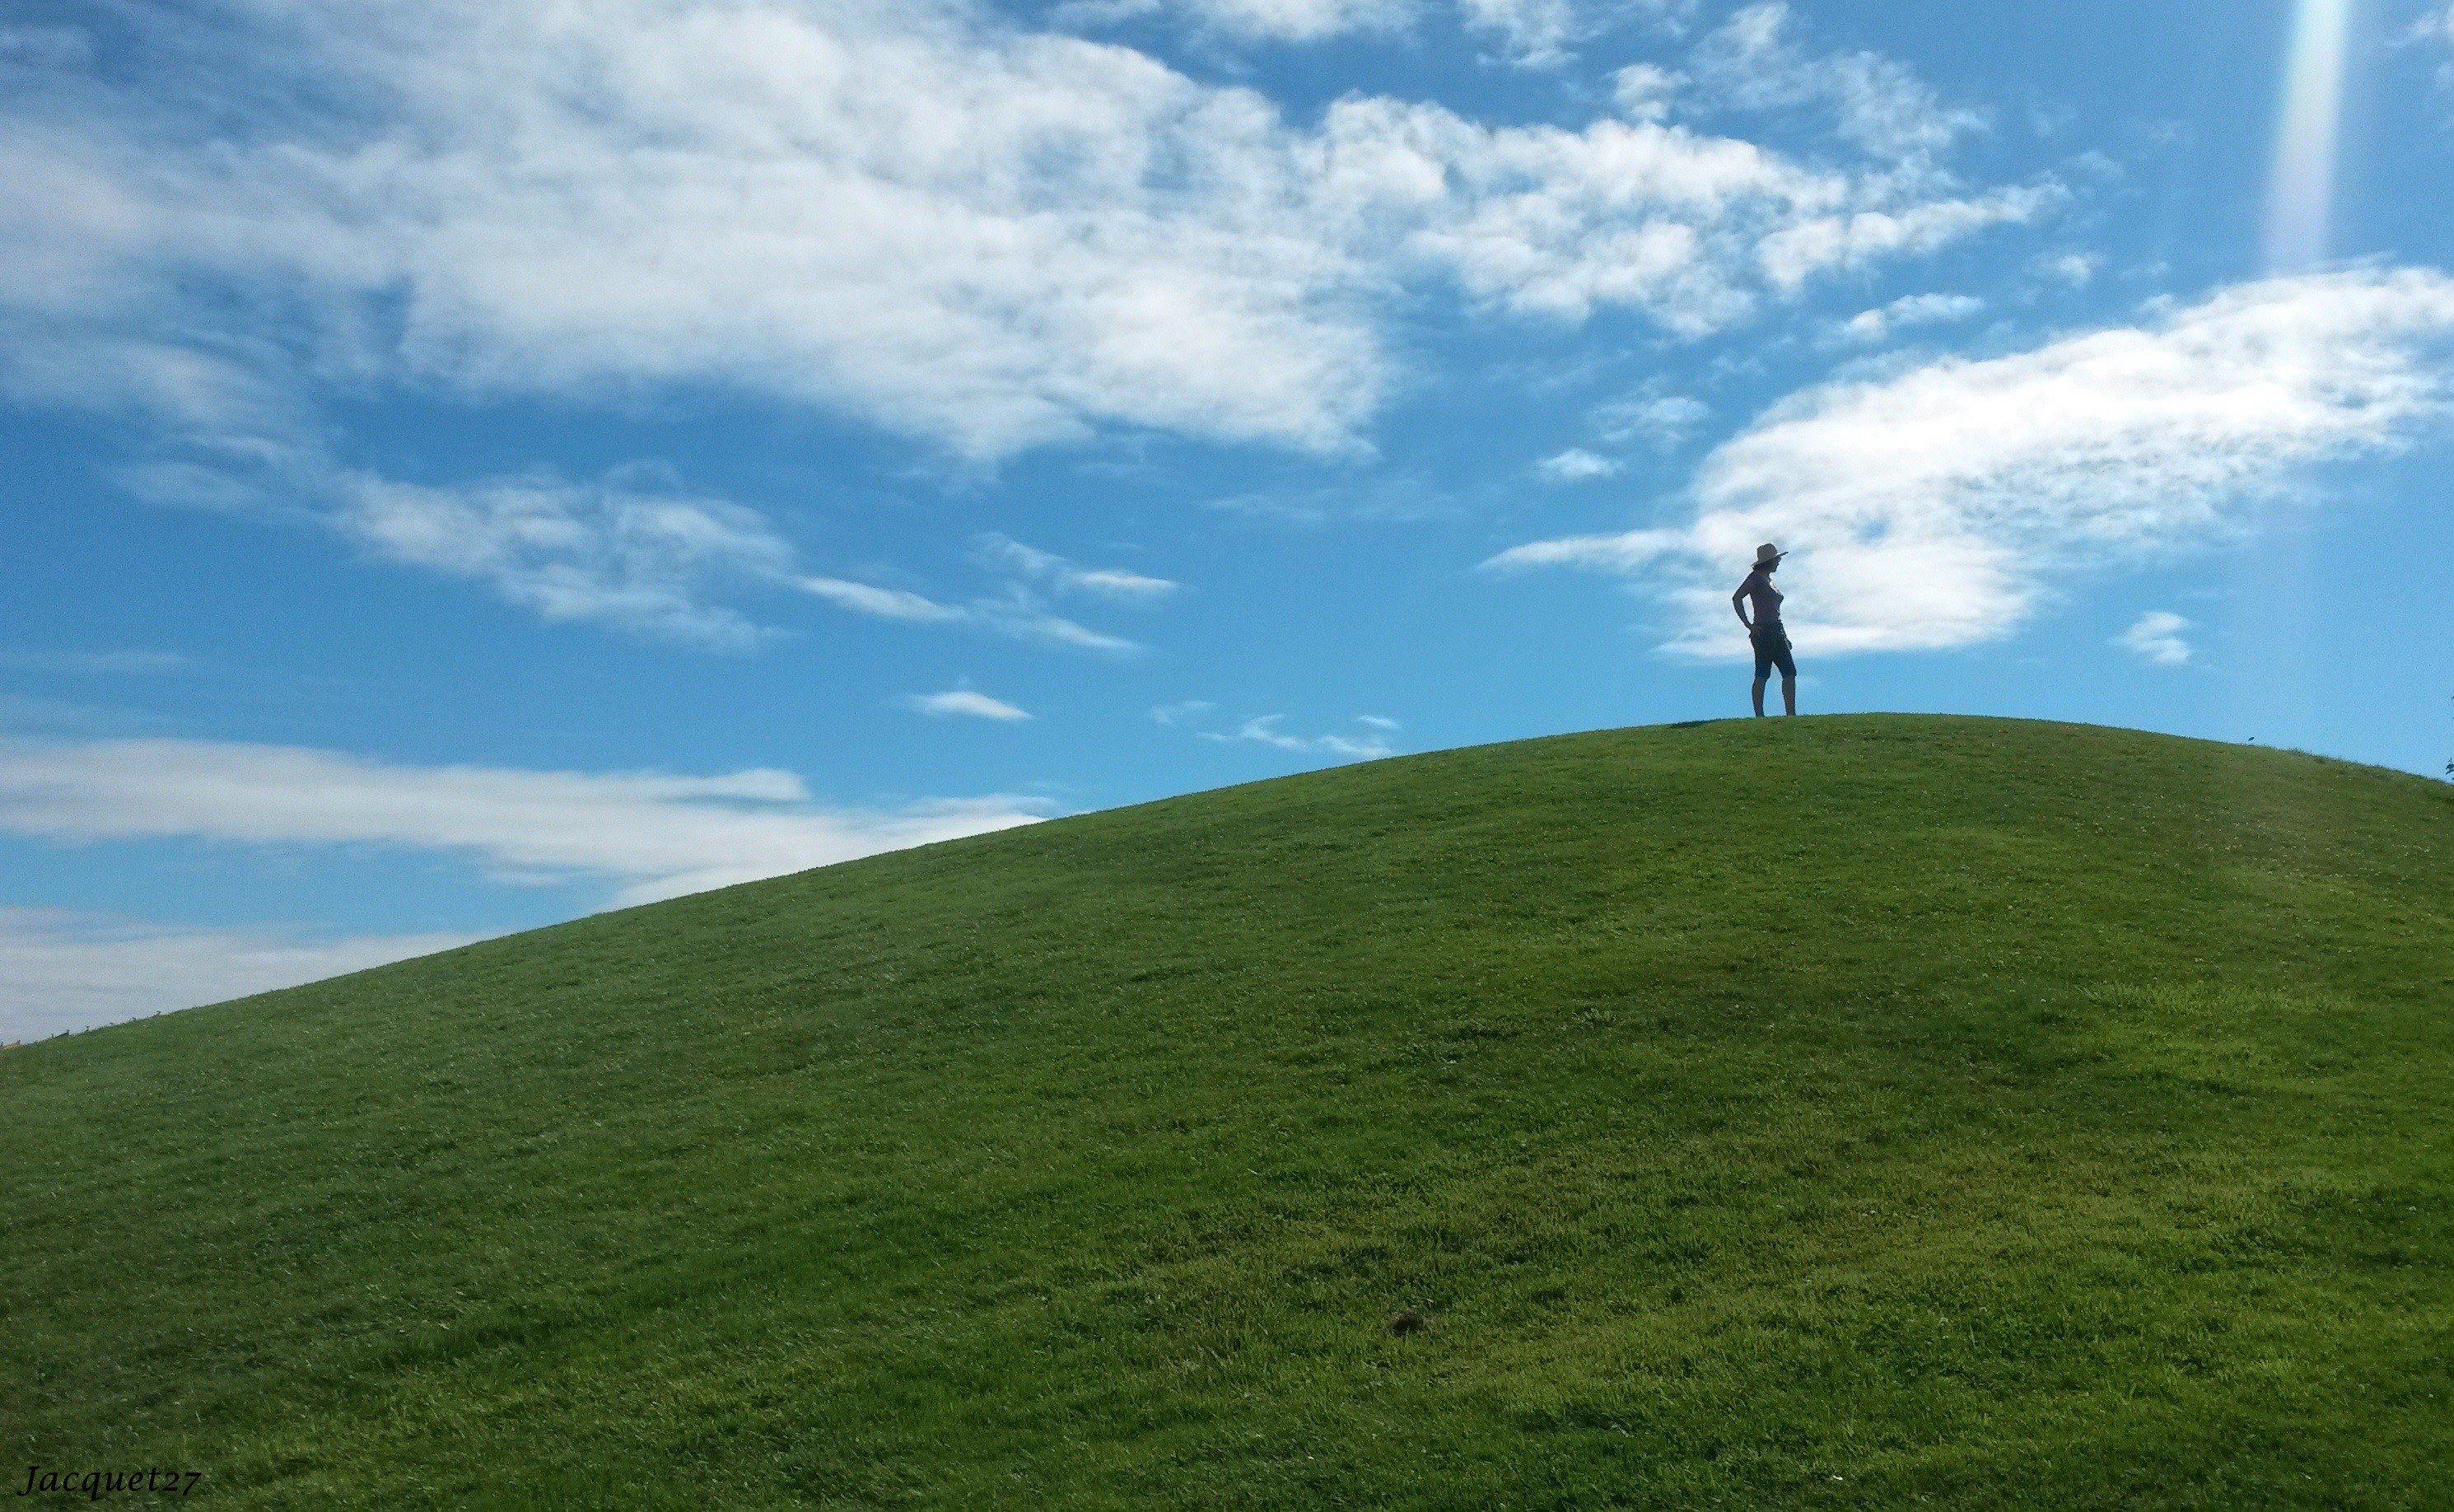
(2301,198)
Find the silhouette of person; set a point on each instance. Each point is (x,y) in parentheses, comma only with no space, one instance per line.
(1764,632)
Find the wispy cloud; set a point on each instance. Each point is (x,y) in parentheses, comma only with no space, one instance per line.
(881,603)
(61,971)
(632,549)
(1018,613)
(604,551)
(1177,715)
(2157,637)
(2438,26)
(651,834)
(1930,508)
(1258,20)
(1575,465)
(1754,63)
(1650,415)
(97,663)
(962,702)
(1532,33)
(1064,576)
(1915,310)
(1265,730)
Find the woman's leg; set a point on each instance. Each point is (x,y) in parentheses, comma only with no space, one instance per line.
(1758,697)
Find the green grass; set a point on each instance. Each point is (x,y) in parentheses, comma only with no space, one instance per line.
(1844,1111)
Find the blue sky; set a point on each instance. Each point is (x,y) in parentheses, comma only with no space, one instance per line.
(472,464)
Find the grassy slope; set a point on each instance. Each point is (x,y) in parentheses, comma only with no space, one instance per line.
(1829,1113)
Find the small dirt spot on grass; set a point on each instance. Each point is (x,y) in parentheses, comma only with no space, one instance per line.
(1406,1321)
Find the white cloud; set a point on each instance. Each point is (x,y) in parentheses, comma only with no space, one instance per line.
(655,835)
(1304,20)
(1064,576)
(1018,610)
(1645,91)
(1265,730)
(881,603)
(61,971)
(912,213)
(1533,33)
(1751,63)
(1796,253)
(1575,465)
(2438,24)
(1650,413)
(599,551)
(964,703)
(1262,20)
(1931,508)
(1175,715)
(2075,269)
(1379,722)
(1693,231)
(1915,310)
(1018,613)
(631,549)
(2157,637)
(2438,27)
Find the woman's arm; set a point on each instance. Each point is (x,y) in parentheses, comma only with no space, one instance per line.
(1738,607)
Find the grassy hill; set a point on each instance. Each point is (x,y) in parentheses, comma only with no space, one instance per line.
(1843,1112)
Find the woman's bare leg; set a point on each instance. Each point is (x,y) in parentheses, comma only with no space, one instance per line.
(1758,694)
(1788,696)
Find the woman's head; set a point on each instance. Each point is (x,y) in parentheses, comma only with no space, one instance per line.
(1768,558)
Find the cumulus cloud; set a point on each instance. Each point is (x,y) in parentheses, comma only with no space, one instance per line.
(913,213)
(652,834)
(964,703)
(1933,507)
(1575,465)
(2075,269)
(61,971)
(1646,90)
(2157,637)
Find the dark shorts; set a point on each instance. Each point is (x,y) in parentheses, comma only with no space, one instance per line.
(1772,650)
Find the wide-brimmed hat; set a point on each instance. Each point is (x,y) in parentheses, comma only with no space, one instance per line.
(1768,553)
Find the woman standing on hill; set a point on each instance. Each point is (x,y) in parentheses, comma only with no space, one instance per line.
(1771,641)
